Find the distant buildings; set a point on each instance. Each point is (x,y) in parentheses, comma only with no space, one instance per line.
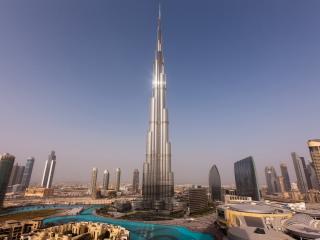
(49,171)
(314,148)
(215,184)
(135,181)
(39,192)
(6,164)
(300,169)
(272,180)
(118,177)
(246,178)
(313,176)
(27,173)
(105,182)
(94,177)
(285,175)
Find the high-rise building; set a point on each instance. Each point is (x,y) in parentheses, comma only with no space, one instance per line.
(314,148)
(299,167)
(49,171)
(19,174)
(313,176)
(13,175)
(105,182)
(27,173)
(158,183)
(285,175)
(215,184)
(135,181)
(280,184)
(94,177)
(118,176)
(272,180)
(246,178)
(6,165)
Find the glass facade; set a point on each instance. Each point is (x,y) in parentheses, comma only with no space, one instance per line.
(6,165)
(286,178)
(215,184)
(246,178)
(27,173)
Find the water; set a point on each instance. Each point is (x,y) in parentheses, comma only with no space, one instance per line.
(138,230)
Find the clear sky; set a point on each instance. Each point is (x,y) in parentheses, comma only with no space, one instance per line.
(75,77)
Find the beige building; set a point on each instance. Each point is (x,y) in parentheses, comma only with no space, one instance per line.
(314,148)
(38,192)
(14,230)
(82,230)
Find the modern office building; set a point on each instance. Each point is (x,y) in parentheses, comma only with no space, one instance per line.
(158,183)
(299,167)
(215,184)
(19,175)
(196,198)
(118,178)
(13,175)
(314,148)
(6,165)
(285,175)
(105,182)
(272,180)
(27,173)
(94,177)
(49,171)
(135,181)
(281,185)
(246,178)
(313,176)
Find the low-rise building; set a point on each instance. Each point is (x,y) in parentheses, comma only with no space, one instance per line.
(39,192)
(13,230)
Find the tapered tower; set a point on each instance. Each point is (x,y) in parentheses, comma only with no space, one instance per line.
(157,185)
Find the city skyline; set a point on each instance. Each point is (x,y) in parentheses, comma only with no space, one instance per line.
(101,129)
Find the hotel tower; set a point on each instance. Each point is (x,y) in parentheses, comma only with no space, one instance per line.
(157,184)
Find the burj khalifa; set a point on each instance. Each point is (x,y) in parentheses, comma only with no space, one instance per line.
(158,182)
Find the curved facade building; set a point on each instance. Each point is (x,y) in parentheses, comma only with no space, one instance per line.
(215,184)
(6,165)
(246,178)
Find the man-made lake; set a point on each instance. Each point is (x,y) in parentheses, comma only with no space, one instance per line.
(138,230)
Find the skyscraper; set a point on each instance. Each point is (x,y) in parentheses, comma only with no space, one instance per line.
(246,178)
(13,175)
(158,183)
(105,182)
(272,180)
(299,163)
(27,173)
(215,184)
(313,176)
(19,175)
(49,171)
(6,164)
(94,177)
(314,148)
(285,175)
(118,176)
(135,181)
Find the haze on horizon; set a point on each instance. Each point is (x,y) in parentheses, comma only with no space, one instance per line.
(75,77)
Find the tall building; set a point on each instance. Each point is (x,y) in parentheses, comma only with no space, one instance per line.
(158,183)
(135,181)
(118,176)
(27,173)
(313,176)
(215,184)
(13,175)
(299,167)
(246,178)
(314,148)
(272,180)
(6,165)
(94,177)
(280,184)
(285,175)
(49,171)
(105,182)
(19,175)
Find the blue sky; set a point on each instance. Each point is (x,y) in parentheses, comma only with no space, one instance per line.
(75,77)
